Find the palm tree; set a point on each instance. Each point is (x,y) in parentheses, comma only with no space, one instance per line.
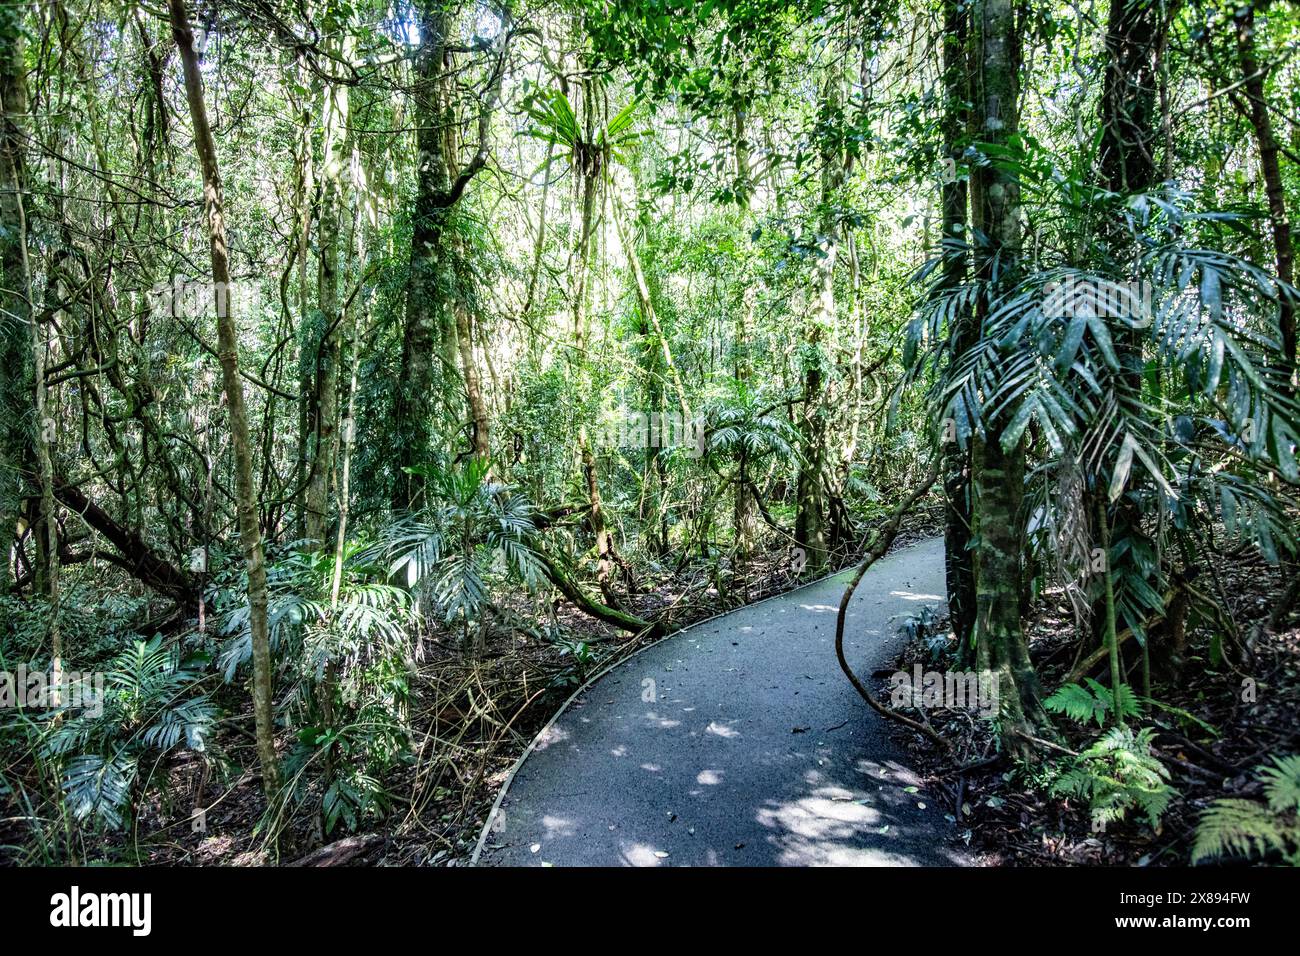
(747,428)
(471,532)
(1210,428)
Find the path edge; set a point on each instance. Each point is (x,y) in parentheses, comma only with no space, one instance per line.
(586,685)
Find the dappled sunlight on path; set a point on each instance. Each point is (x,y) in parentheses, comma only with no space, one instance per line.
(736,743)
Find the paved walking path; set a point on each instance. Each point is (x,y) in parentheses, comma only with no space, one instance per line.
(737,742)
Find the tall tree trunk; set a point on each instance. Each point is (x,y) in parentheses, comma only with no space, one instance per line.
(250,533)
(953,196)
(432,278)
(307,346)
(18,292)
(998,473)
(16,379)
(650,315)
(1270,168)
(587,169)
(325,377)
(810,500)
(743,517)
(432,296)
(539,242)
(1129,113)
(1283,248)
(1128,99)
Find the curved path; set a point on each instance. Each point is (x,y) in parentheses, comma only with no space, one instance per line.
(737,742)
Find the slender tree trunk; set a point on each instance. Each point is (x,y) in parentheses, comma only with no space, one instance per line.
(651,356)
(1270,168)
(810,500)
(306,188)
(998,473)
(646,303)
(1110,638)
(474,397)
(325,377)
(250,534)
(16,378)
(743,517)
(953,196)
(589,181)
(539,243)
(47,526)
(17,266)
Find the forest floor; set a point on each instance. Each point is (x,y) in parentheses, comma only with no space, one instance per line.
(475,713)
(1244,707)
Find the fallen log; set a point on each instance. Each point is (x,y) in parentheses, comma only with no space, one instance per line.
(341,851)
(1171,599)
(589,605)
(546,519)
(137,558)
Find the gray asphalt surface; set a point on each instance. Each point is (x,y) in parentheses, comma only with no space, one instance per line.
(738,743)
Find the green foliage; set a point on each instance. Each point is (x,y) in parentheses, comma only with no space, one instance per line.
(742,148)
(579,658)
(1091,701)
(152,705)
(95,621)
(558,124)
(1143,351)
(1118,773)
(346,662)
(369,613)
(1250,829)
(745,422)
(472,535)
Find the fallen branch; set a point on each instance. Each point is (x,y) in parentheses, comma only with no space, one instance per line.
(138,559)
(341,851)
(545,519)
(589,605)
(884,538)
(1097,656)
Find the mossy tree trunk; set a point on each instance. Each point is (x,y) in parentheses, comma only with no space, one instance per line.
(953,198)
(810,497)
(997,473)
(325,373)
(16,380)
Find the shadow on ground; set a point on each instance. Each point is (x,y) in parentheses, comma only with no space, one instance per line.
(737,743)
